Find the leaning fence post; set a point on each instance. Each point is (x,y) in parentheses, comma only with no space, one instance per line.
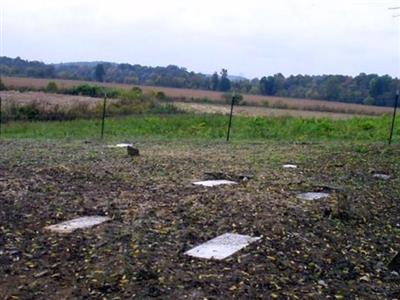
(394,116)
(230,118)
(0,115)
(103,117)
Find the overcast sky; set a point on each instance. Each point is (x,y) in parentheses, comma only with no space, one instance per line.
(250,38)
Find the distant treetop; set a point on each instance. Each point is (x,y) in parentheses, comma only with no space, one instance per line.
(363,89)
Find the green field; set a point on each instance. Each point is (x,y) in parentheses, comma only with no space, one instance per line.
(188,126)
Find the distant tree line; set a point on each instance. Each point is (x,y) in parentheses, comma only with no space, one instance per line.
(363,89)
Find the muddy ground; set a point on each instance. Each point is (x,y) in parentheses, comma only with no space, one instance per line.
(336,248)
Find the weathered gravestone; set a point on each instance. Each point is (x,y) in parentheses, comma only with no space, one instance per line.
(210,183)
(290,166)
(122,145)
(78,223)
(222,246)
(381,176)
(312,196)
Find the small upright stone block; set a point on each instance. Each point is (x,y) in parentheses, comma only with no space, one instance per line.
(132,151)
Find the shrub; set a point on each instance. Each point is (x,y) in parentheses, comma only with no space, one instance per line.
(128,96)
(36,111)
(161,95)
(280,105)
(12,111)
(51,87)
(93,91)
(127,104)
(85,90)
(29,111)
(369,101)
(265,103)
(137,90)
(202,100)
(238,98)
(367,125)
(2,86)
(80,110)
(166,109)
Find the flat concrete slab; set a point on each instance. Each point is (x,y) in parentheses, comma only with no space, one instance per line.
(289,166)
(210,183)
(381,176)
(222,246)
(119,145)
(311,196)
(79,223)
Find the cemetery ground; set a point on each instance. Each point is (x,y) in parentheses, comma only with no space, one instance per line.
(338,247)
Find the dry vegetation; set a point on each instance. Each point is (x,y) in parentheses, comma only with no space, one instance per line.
(188,94)
(40,106)
(253,111)
(308,250)
(48,101)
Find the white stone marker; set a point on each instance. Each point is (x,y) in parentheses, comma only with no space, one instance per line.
(119,146)
(289,166)
(222,246)
(381,176)
(214,182)
(79,223)
(312,196)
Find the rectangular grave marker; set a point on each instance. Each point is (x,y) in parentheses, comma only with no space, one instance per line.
(381,176)
(312,196)
(122,145)
(78,223)
(210,183)
(222,246)
(289,166)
